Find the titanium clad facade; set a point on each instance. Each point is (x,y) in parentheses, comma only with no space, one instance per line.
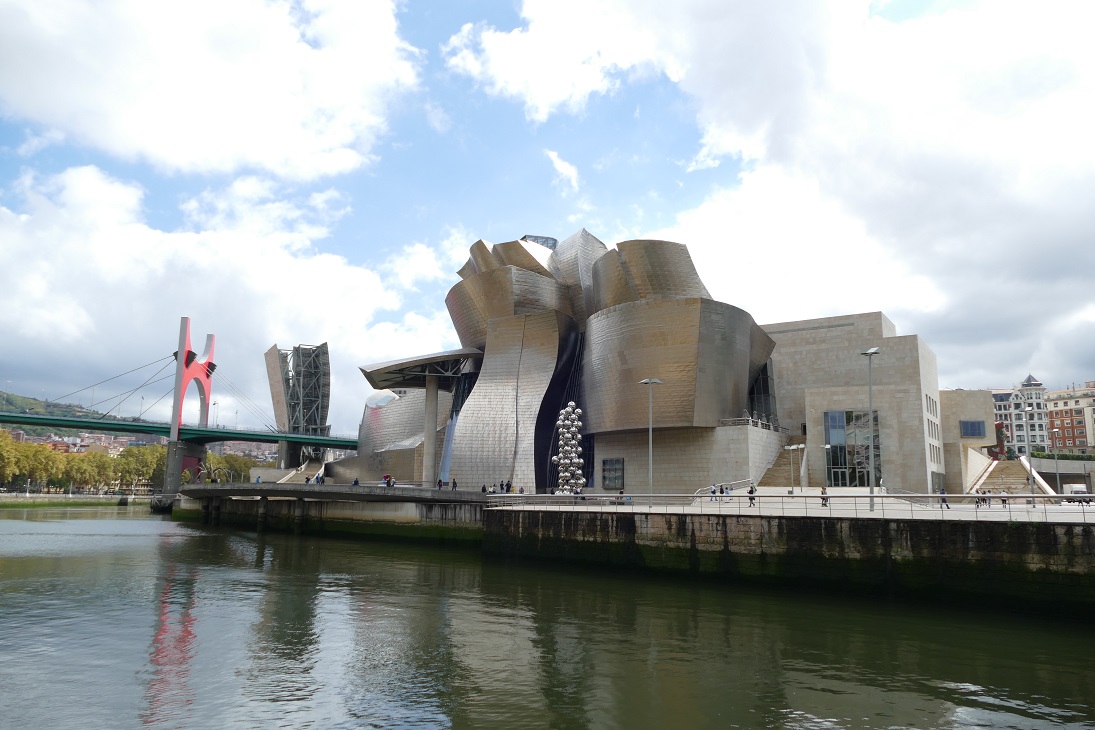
(661,269)
(586,323)
(501,292)
(495,437)
(571,263)
(391,434)
(612,284)
(706,354)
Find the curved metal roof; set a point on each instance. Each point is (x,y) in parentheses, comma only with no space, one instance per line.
(412,372)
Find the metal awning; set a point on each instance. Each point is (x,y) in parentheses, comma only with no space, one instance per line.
(412,372)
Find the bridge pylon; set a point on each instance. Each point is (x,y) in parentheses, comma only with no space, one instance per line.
(181,455)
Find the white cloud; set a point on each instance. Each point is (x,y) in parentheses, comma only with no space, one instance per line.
(295,89)
(566,174)
(563,56)
(35,143)
(945,155)
(438,118)
(90,288)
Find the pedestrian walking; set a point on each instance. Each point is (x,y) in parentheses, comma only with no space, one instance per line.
(943,498)
(752,491)
(454,484)
(824,496)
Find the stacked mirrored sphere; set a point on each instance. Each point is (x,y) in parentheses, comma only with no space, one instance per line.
(569,456)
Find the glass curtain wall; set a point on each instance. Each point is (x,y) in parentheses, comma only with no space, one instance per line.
(849,436)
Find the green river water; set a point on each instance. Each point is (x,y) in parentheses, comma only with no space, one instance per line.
(111,618)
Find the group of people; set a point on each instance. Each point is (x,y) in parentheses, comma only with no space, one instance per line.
(441,484)
(984,499)
(502,487)
(318,479)
(724,491)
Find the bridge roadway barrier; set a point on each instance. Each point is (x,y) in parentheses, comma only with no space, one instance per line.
(408,512)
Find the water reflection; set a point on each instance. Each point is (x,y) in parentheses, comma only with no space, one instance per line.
(168,694)
(227,629)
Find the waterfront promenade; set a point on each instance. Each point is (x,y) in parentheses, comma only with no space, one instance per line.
(841,504)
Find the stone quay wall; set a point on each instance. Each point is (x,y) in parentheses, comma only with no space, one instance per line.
(1004,562)
(427,522)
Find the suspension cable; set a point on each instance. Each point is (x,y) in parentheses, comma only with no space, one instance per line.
(81,390)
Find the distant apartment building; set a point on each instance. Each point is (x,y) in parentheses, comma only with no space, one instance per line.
(1071,413)
(1023,416)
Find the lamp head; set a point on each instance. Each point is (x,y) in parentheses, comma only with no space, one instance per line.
(650,381)
(872,351)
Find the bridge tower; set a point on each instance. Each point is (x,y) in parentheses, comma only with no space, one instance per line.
(300,387)
(181,455)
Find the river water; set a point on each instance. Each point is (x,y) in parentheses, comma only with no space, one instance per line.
(110,618)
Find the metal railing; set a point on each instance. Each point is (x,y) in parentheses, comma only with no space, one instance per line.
(961,507)
(755,423)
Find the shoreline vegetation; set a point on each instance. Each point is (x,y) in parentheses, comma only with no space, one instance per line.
(48,501)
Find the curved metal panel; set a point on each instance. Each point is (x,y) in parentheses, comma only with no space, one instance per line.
(661,269)
(495,436)
(504,292)
(612,285)
(393,427)
(706,354)
(467,270)
(572,263)
(483,257)
(521,254)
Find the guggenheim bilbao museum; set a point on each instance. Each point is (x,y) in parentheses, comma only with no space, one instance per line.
(633,338)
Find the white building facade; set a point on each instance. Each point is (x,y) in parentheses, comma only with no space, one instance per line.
(1025,419)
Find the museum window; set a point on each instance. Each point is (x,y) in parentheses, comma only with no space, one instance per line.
(849,436)
(612,474)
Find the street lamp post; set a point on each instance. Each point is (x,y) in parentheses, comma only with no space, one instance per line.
(214,414)
(793,448)
(870,353)
(651,382)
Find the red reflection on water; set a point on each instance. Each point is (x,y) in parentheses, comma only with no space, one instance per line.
(168,693)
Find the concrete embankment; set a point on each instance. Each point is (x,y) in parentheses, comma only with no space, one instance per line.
(427,522)
(38,501)
(1005,562)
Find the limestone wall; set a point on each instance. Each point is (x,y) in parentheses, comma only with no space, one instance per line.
(444,522)
(1033,562)
(686,459)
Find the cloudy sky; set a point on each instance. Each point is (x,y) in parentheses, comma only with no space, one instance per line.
(306,171)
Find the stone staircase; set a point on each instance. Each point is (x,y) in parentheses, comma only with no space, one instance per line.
(1006,477)
(297,476)
(779,474)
